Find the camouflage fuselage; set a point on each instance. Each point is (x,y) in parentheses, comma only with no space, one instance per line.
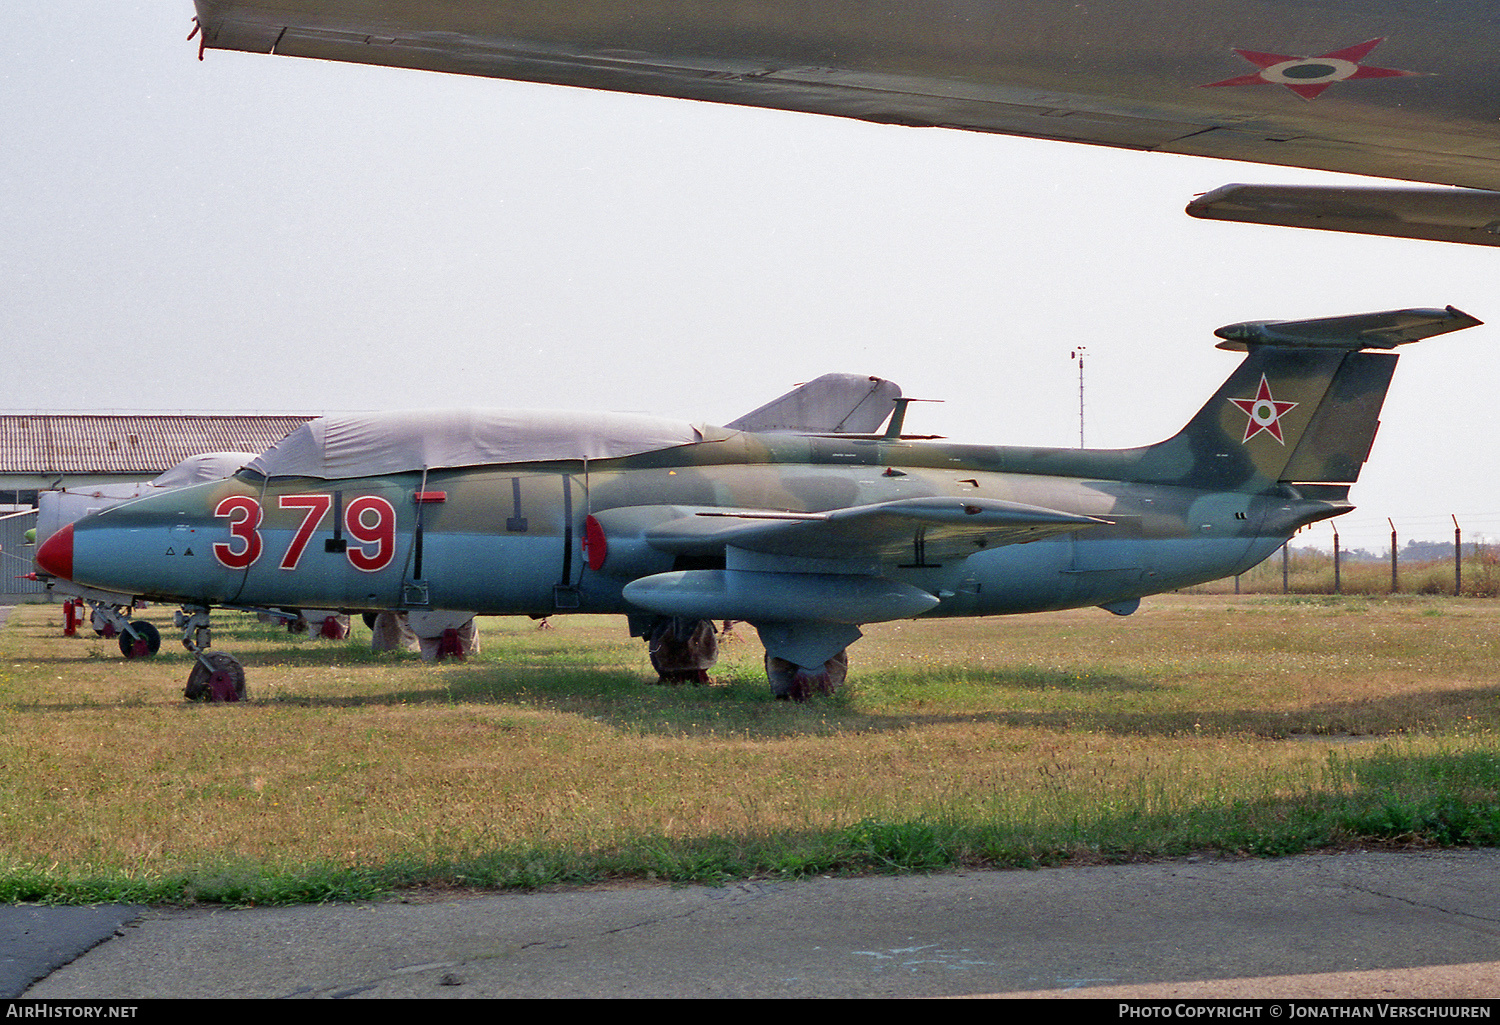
(519,538)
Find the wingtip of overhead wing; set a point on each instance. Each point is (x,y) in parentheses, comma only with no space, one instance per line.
(1470,216)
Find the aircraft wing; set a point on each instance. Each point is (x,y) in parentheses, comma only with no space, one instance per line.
(1380,87)
(1438,214)
(918,530)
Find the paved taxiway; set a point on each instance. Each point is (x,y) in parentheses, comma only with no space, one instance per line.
(1374,925)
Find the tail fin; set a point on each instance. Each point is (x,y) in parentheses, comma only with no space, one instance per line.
(1304,405)
(831,404)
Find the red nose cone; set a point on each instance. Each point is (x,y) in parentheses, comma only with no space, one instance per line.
(56,554)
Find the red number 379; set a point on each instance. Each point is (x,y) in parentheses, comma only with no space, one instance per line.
(370,520)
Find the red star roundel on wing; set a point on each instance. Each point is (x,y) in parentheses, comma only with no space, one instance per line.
(1309,76)
(1264,411)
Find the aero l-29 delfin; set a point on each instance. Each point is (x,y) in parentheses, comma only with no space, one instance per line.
(804,535)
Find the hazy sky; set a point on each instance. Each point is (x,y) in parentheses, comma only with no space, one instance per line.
(266,234)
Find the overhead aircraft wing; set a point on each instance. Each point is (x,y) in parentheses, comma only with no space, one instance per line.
(1438,214)
(1380,87)
(908,530)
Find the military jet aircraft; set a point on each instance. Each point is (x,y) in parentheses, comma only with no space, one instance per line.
(110,613)
(1386,88)
(804,535)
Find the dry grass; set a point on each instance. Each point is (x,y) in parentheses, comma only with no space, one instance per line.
(1311,572)
(558,740)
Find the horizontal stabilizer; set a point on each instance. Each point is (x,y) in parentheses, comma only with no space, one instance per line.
(929,527)
(1360,331)
(1439,215)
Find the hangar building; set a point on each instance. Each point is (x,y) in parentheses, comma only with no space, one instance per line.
(39,452)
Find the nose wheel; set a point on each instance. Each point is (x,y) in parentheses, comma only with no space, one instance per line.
(140,640)
(137,637)
(216,677)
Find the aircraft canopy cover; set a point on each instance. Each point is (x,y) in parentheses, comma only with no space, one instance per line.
(206,467)
(368,444)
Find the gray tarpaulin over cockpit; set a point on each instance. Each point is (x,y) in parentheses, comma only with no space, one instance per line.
(368,444)
(205,467)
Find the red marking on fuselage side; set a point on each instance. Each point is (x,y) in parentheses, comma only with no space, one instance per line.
(595,547)
(317,506)
(380,532)
(244,515)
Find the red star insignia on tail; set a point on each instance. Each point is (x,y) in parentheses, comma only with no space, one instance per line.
(1309,76)
(1264,411)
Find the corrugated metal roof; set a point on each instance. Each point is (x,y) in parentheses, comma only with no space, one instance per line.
(129,444)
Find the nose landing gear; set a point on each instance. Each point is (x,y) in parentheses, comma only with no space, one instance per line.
(215,677)
(140,639)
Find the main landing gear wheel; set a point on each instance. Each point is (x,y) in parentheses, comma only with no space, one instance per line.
(790,682)
(221,679)
(145,643)
(682,650)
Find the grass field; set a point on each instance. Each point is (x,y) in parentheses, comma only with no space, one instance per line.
(1312,572)
(1244,725)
